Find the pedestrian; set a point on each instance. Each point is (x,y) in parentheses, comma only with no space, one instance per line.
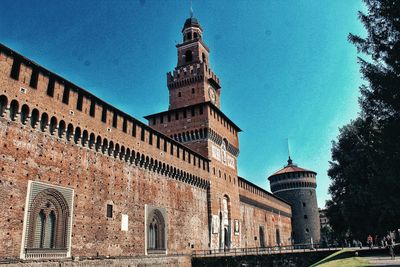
(391,247)
(369,241)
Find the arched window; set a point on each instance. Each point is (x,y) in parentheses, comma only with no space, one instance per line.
(61,129)
(48,221)
(3,104)
(34,117)
(188,56)
(14,109)
(53,125)
(77,135)
(44,121)
(24,113)
(156,230)
(70,131)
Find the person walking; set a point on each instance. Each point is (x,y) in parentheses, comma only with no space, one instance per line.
(390,244)
(369,241)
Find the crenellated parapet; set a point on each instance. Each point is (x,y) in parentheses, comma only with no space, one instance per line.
(191,73)
(46,102)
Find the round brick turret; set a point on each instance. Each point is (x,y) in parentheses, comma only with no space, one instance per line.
(297,186)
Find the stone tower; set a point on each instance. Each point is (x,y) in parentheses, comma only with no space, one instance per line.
(297,186)
(194,119)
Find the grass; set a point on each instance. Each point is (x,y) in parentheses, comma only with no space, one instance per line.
(342,258)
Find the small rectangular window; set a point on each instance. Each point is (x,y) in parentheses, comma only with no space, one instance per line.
(154,121)
(176,115)
(169,117)
(79,102)
(161,119)
(92,108)
(201,110)
(172,149)
(65,97)
(50,87)
(177,152)
(150,138)
(109,211)
(34,78)
(192,112)
(165,145)
(184,114)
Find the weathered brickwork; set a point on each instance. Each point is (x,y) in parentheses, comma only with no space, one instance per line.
(195,119)
(171,187)
(297,186)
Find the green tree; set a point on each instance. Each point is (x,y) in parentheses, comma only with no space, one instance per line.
(365,167)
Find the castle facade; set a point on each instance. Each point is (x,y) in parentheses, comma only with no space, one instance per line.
(81,178)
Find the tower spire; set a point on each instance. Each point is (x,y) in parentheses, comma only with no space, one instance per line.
(191,9)
(290,161)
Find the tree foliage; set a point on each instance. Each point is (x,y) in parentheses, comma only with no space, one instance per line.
(365,166)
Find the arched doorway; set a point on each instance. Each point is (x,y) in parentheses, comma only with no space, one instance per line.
(225,228)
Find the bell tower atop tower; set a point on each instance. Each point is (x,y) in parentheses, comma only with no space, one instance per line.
(192,81)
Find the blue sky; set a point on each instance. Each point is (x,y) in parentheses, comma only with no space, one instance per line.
(286,67)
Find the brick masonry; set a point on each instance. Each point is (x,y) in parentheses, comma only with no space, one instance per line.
(55,132)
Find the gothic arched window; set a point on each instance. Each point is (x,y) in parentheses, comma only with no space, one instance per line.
(48,221)
(156,231)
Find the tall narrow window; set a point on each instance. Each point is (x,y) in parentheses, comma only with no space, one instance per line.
(142,134)
(104,114)
(133,129)
(115,119)
(109,213)
(15,69)
(50,86)
(92,108)
(156,230)
(34,78)
(79,102)
(125,125)
(65,98)
(150,138)
(158,141)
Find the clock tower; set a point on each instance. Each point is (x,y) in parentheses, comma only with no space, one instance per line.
(192,81)
(194,118)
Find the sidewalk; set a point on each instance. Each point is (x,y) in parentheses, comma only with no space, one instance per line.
(382,260)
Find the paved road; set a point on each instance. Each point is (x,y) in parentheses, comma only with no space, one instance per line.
(383,260)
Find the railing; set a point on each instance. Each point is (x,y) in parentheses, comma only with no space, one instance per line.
(262,250)
(40,253)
